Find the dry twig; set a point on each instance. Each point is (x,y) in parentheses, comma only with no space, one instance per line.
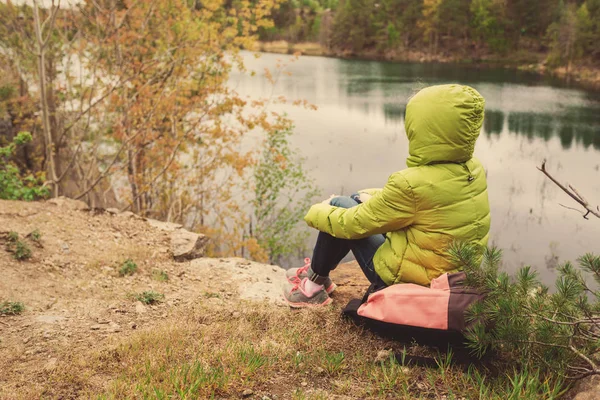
(573,193)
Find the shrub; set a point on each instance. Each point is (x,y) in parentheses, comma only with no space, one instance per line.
(282,194)
(13,185)
(555,331)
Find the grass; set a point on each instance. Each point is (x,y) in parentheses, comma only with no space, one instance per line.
(128,268)
(21,251)
(150,297)
(35,236)
(160,275)
(11,308)
(210,351)
(12,236)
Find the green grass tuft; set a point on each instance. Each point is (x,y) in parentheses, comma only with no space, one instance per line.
(160,275)
(150,297)
(21,251)
(36,236)
(13,236)
(128,267)
(11,308)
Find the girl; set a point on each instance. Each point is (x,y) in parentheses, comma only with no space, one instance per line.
(399,234)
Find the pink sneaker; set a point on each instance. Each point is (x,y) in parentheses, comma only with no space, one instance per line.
(297,297)
(295,276)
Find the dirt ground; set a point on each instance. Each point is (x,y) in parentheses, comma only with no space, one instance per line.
(75,300)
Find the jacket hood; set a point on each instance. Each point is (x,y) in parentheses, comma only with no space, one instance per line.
(442,124)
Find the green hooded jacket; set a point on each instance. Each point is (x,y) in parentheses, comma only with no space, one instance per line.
(440,198)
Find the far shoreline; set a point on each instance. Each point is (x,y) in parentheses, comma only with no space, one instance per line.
(587,77)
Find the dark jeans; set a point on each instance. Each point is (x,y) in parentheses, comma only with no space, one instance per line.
(329,250)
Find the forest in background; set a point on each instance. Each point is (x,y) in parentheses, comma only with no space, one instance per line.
(519,31)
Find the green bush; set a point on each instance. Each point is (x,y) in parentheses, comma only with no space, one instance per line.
(13,185)
(283,192)
(556,331)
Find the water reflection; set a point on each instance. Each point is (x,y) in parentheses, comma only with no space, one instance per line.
(578,126)
(493,124)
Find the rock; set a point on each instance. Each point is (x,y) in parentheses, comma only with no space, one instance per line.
(140,308)
(587,388)
(114,327)
(163,226)
(128,214)
(26,340)
(95,327)
(112,210)
(69,204)
(49,319)
(383,355)
(65,247)
(319,370)
(133,325)
(186,245)
(247,393)
(304,384)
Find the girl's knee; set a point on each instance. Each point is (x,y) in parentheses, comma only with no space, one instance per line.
(343,202)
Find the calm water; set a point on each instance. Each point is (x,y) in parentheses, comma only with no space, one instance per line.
(356,139)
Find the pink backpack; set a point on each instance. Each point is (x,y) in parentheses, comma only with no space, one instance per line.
(440,307)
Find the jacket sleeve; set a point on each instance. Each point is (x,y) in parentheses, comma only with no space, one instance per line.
(390,209)
(371,192)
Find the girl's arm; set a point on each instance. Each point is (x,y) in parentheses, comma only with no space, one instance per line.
(389,209)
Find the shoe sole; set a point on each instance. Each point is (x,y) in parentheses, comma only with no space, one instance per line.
(329,289)
(308,305)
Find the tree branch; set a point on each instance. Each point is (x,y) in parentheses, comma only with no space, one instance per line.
(573,193)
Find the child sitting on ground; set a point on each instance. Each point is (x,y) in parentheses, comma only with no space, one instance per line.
(399,234)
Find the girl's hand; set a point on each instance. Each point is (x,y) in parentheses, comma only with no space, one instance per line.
(364,197)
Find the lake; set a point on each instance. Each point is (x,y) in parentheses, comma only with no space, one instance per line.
(356,139)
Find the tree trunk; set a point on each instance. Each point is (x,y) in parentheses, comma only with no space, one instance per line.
(41,52)
(131,174)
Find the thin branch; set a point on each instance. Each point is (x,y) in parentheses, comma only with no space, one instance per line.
(68,168)
(107,170)
(573,193)
(573,208)
(586,358)
(52,20)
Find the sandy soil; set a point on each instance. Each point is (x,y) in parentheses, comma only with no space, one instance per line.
(75,299)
